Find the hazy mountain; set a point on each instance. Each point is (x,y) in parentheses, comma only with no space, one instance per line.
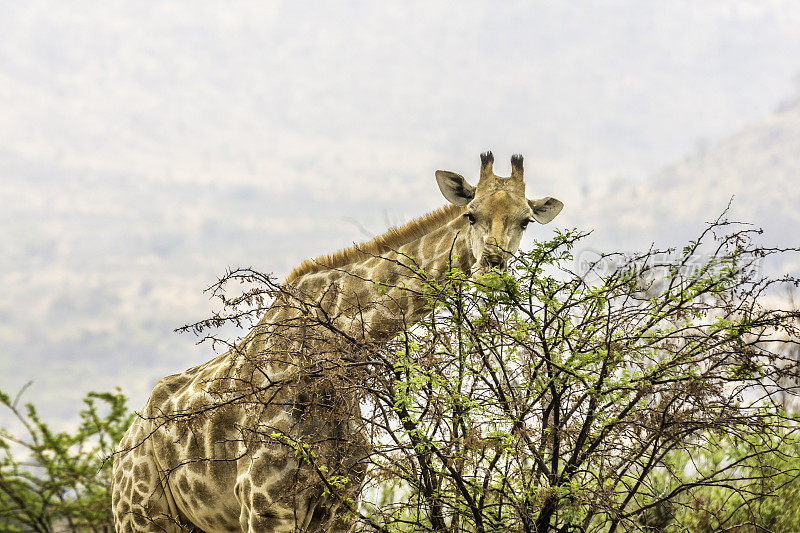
(759,167)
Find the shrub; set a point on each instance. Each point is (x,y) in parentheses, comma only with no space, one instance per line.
(60,480)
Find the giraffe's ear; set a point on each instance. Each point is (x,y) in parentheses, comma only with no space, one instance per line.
(545,209)
(454,187)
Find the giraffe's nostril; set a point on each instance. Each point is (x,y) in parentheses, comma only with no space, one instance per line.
(494,260)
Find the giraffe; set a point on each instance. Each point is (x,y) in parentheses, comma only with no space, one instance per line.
(185,466)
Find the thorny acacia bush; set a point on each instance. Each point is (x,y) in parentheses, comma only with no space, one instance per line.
(545,400)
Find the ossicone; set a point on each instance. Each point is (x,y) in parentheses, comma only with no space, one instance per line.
(487,159)
(516,167)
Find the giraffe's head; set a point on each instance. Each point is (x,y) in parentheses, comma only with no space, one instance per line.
(497,210)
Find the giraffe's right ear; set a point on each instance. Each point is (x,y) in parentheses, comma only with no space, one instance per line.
(454,187)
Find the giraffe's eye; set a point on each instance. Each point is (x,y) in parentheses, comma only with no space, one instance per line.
(471,218)
(524,224)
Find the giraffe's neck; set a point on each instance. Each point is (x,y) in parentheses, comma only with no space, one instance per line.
(373,298)
(324,320)
(399,282)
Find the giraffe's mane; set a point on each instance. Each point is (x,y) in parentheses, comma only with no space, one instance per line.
(391,240)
